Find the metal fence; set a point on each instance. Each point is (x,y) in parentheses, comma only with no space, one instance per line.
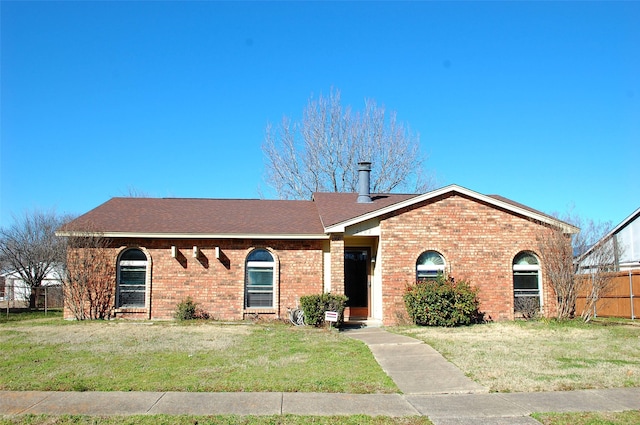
(622,299)
(17,296)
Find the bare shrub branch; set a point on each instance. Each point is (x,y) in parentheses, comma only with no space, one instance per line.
(557,264)
(587,251)
(89,278)
(595,264)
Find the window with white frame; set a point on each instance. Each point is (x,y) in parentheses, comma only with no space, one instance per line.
(430,265)
(526,283)
(260,279)
(132,279)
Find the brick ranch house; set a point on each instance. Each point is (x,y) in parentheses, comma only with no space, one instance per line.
(237,258)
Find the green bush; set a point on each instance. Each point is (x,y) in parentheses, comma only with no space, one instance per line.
(314,307)
(186,310)
(442,302)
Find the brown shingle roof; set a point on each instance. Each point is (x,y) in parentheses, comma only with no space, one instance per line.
(252,217)
(201,216)
(338,207)
(518,204)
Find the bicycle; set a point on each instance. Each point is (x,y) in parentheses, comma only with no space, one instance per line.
(296,316)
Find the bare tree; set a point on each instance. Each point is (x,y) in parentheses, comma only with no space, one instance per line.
(320,153)
(30,248)
(560,251)
(134,192)
(89,276)
(595,262)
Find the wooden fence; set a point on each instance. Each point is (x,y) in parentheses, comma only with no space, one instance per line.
(622,298)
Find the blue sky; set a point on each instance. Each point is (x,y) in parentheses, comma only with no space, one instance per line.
(538,102)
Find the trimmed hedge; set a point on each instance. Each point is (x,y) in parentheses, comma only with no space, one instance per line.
(314,307)
(443,302)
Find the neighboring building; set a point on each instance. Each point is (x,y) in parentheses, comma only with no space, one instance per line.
(624,244)
(16,292)
(241,258)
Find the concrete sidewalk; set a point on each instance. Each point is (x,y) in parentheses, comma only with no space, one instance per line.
(442,409)
(431,386)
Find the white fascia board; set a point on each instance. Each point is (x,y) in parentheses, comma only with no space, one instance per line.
(196,235)
(340,227)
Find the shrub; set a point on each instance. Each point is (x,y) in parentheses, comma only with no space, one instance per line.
(314,307)
(528,307)
(442,302)
(186,310)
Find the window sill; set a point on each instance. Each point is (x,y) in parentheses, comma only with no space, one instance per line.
(261,310)
(130,310)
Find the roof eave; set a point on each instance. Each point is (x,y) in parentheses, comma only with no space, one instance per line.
(114,235)
(565,227)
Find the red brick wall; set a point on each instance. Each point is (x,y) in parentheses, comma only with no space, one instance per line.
(217,286)
(337,263)
(478,242)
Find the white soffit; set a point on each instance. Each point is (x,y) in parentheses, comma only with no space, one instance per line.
(364,228)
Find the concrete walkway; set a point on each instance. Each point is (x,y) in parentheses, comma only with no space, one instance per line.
(431,386)
(414,366)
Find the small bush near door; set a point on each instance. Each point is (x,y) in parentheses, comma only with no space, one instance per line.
(442,302)
(314,307)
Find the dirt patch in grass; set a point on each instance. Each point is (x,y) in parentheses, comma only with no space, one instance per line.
(105,337)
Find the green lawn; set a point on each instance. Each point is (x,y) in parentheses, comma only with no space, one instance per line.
(589,418)
(51,354)
(541,355)
(39,352)
(613,418)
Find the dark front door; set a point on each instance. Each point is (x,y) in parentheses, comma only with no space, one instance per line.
(356,281)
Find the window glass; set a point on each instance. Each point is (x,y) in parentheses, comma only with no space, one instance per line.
(260,255)
(259,279)
(429,265)
(525,258)
(526,283)
(132,278)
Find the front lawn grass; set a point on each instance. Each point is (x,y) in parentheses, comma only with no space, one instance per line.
(200,356)
(24,314)
(631,417)
(543,355)
(574,418)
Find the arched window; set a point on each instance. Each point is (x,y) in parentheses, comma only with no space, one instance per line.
(430,264)
(132,279)
(260,279)
(526,283)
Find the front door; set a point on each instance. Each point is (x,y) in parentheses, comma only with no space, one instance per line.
(356,281)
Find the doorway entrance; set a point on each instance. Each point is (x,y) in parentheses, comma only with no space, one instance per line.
(356,281)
